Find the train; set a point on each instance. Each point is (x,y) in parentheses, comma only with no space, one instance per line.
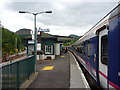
(98,50)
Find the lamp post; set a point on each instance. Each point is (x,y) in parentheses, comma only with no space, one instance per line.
(35,29)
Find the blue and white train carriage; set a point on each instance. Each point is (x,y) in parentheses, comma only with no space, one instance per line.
(99,50)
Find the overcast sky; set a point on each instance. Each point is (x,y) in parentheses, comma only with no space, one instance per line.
(68,17)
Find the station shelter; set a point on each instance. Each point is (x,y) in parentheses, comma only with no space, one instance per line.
(50,47)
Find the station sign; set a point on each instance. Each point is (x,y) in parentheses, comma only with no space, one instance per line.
(43,30)
(31,42)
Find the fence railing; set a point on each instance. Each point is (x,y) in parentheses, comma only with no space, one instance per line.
(15,73)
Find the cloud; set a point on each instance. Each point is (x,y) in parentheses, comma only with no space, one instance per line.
(72,17)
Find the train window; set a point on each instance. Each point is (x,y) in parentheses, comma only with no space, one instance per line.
(84,48)
(104,49)
(80,48)
(88,48)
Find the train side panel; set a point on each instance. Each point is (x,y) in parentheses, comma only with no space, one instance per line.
(119,51)
(91,47)
(94,57)
(89,56)
(114,51)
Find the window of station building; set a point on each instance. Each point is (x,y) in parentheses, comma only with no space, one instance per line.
(104,49)
(88,48)
(48,49)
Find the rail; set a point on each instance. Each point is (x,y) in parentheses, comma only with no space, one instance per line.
(14,74)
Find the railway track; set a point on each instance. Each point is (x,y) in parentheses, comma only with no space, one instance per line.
(13,57)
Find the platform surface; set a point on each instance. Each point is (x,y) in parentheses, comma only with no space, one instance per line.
(77,78)
(63,72)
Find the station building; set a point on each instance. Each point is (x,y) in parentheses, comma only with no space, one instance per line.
(48,46)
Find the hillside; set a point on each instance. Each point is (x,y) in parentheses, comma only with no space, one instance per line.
(73,36)
(66,40)
(70,37)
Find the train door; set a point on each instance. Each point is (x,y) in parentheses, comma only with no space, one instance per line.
(103,57)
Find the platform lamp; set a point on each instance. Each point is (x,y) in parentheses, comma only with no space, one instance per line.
(35,30)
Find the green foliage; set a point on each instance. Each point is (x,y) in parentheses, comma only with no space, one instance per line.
(11,43)
(68,42)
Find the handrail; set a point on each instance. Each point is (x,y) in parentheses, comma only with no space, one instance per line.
(16,72)
(14,61)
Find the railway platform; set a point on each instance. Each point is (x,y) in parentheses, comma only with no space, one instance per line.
(63,72)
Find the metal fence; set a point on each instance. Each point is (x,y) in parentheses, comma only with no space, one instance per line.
(15,73)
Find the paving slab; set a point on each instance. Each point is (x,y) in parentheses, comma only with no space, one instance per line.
(58,77)
(63,72)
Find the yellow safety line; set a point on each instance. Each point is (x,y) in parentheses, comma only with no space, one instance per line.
(62,56)
(47,68)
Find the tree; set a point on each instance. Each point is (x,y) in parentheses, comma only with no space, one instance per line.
(11,42)
(68,42)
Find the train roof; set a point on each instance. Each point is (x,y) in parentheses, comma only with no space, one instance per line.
(115,12)
(103,23)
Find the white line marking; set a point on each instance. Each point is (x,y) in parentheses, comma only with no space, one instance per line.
(83,77)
